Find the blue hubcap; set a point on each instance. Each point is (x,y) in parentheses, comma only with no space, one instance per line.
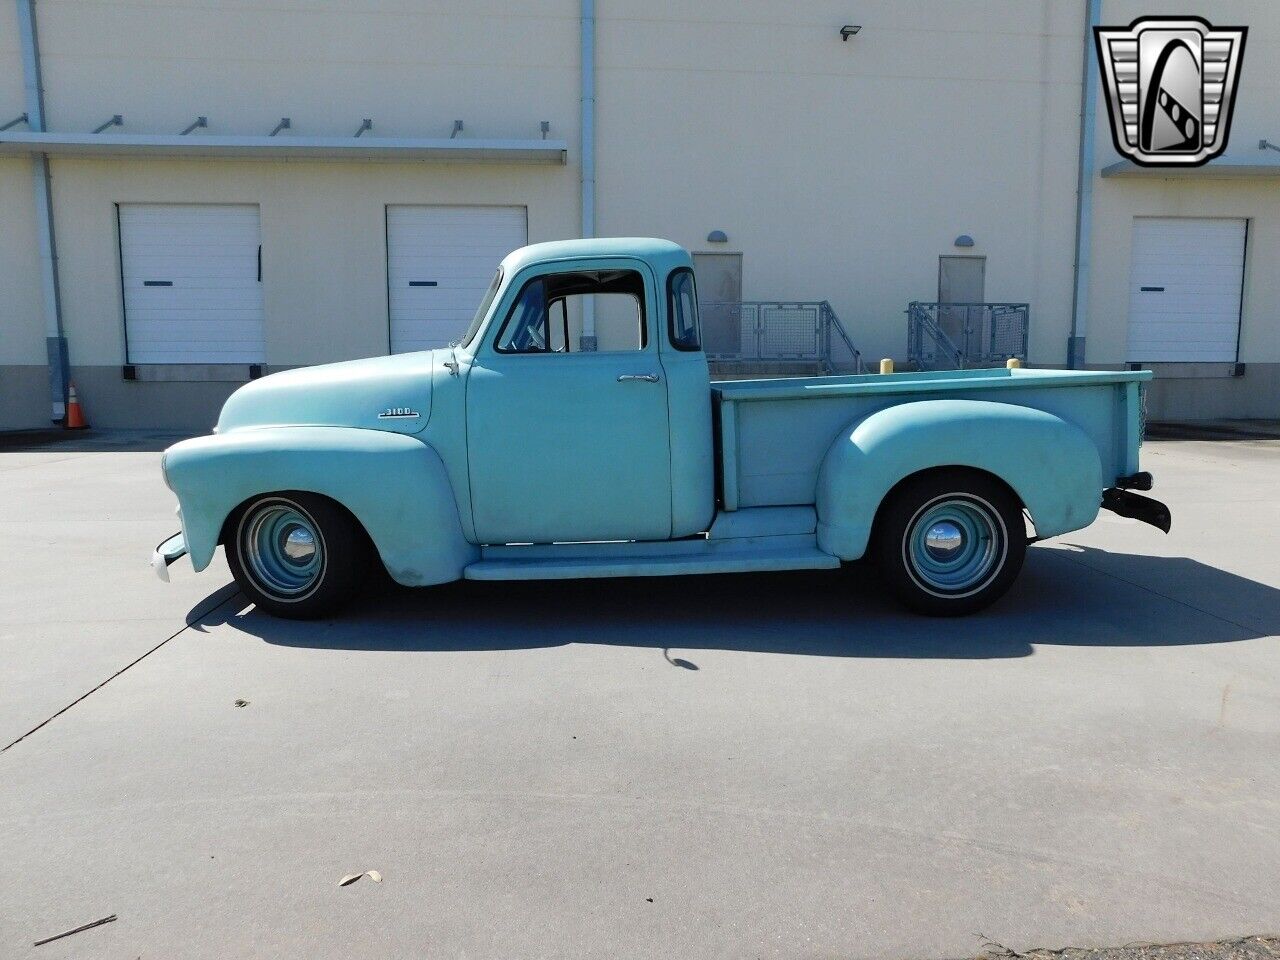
(282,549)
(954,545)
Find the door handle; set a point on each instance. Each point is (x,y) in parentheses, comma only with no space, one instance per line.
(646,377)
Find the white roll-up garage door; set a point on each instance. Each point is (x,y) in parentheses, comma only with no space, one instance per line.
(440,261)
(1184,295)
(192,283)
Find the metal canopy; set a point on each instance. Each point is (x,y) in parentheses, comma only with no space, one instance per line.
(1223,168)
(268,148)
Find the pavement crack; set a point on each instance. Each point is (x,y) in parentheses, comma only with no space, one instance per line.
(191,622)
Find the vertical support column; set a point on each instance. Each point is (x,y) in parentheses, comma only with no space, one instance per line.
(1084,190)
(56,343)
(588,159)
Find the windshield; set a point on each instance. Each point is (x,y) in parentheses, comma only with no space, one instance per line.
(482,310)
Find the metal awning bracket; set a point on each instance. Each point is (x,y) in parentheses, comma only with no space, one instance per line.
(284,124)
(365,124)
(198,122)
(116,121)
(14,122)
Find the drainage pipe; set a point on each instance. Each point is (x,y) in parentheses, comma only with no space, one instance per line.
(56,343)
(1084,190)
(588,157)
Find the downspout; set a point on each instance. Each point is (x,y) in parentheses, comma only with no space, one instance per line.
(55,342)
(588,135)
(1084,191)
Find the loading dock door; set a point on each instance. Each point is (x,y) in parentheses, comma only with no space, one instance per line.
(1184,290)
(440,261)
(192,283)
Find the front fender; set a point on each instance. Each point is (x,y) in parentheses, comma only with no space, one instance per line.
(1049,463)
(395,485)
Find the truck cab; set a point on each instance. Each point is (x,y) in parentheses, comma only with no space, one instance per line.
(573,431)
(573,444)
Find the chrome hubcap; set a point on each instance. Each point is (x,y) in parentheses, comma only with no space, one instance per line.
(943,540)
(954,545)
(282,549)
(299,545)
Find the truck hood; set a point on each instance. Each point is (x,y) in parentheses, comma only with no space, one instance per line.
(380,393)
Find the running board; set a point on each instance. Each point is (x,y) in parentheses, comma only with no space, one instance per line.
(659,565)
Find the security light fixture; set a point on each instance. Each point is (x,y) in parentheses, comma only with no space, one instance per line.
(849,30)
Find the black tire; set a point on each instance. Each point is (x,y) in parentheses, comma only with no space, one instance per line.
(949,542)
(267,542)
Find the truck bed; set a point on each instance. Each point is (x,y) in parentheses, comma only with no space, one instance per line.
(773,434)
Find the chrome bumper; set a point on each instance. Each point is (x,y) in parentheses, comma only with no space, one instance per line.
(175,548)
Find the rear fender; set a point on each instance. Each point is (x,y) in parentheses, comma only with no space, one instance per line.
(1049,463)
(395,485)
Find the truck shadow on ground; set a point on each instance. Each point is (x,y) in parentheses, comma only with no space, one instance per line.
(1066,595)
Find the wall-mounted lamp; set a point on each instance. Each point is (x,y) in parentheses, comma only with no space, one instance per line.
(849,30)
(717,236)
(964,240)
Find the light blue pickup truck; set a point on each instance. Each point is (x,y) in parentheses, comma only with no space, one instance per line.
(516,455)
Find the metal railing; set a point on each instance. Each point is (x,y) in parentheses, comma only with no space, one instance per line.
(767,331)
(953,336)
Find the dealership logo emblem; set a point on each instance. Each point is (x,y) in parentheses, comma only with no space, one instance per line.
(1170,85)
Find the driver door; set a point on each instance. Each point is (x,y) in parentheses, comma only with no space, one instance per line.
(565,444)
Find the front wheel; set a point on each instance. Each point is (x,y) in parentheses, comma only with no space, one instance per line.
(950,542)
(297,555)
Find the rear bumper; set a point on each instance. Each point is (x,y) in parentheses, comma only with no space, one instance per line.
(175,548)
(1126,504)
(1135,481)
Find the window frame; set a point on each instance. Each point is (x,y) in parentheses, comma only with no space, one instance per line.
(542,277)
(671,312)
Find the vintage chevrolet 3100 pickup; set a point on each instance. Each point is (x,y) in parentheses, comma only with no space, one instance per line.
(515,455)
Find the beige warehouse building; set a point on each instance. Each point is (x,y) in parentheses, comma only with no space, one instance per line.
(933,155)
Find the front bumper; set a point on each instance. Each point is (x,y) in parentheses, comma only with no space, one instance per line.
(175,548)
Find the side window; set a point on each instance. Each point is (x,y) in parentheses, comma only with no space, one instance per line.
(682,309)
(548,315)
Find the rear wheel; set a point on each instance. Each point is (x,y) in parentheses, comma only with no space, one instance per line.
(297,555)
(950,542)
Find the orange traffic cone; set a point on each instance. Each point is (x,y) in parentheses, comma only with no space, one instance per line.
(75,416)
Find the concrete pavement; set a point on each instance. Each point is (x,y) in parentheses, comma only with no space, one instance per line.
(771,766)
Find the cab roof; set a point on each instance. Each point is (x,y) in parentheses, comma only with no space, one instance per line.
(663,255)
